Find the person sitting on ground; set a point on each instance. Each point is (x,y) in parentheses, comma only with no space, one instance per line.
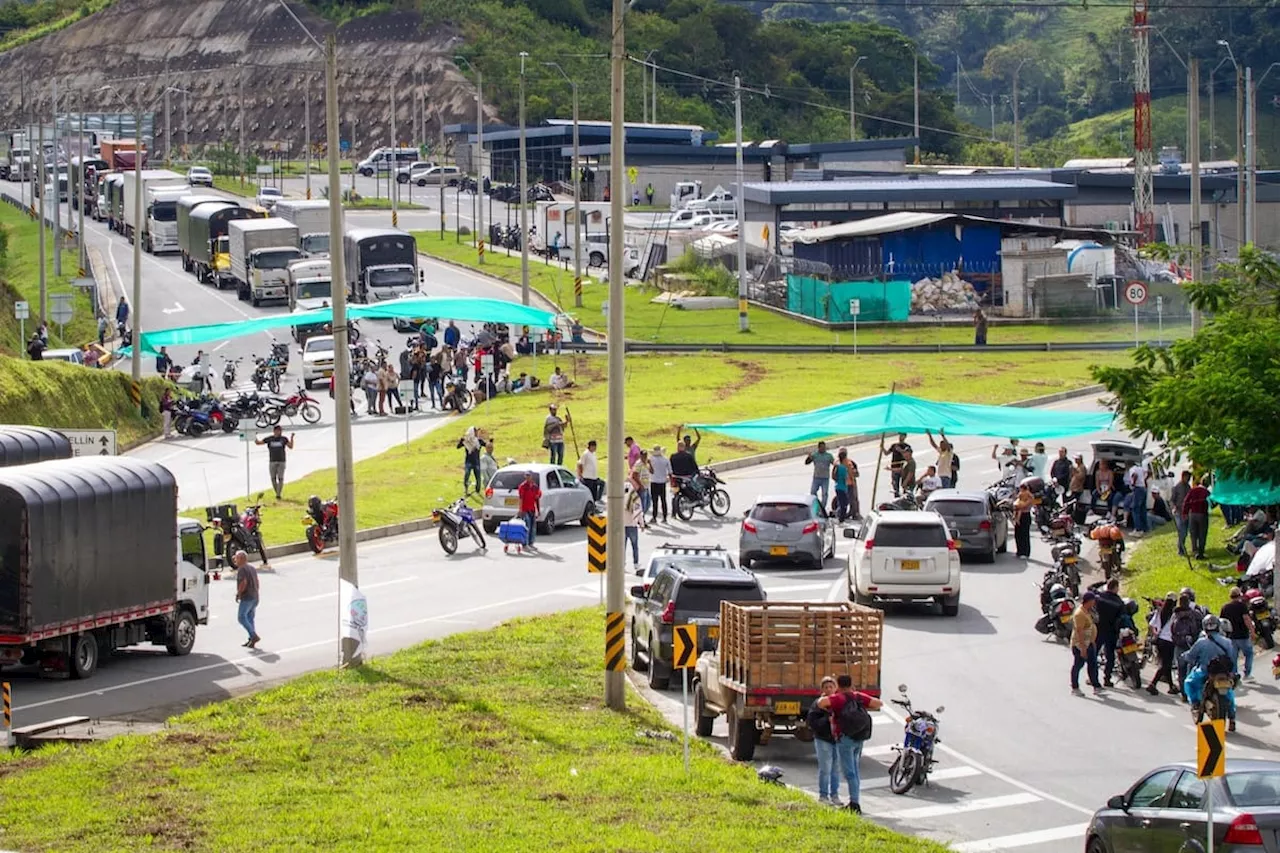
(520,384)
(1159,513)
(559,381)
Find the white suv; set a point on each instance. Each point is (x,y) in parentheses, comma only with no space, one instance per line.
(905,556)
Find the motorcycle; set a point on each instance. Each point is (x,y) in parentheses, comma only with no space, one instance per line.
(1066,559)
(322,523)
(457,520)
(915,756)
(1129,653)
(1213,702)
(1110,539)
(245,533)
(266,374)
(1264,624)
(1058,606)
(201,415)
(701,492)
(298,403)
(229,373)
(457,396)
(905,503)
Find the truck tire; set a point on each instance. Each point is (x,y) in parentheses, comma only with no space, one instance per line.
(742,737)
(82,662)
(702,723)
(183,636)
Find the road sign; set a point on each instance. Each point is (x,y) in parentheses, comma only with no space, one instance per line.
(685,655)
(596,527)
(1135,292)
(22,310)
(91,442)
(265,169)
(1211,748)
(60,310)
(855,307)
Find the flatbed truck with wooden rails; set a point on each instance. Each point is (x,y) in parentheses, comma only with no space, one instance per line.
(766,672)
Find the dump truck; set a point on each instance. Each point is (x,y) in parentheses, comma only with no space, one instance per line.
(207,250)
(94,558)
(772,655)
(261,250)
(381,263)
(160,190)
(119,153)
(312,218)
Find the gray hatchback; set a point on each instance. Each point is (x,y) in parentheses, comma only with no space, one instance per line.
(786,529)
(981,529)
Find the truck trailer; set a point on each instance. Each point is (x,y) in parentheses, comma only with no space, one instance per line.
(381,263)
(22,445)
(120,153)
(160,190)
(312,218)
(94,558)
(261,250)
(207,245)
(186,204)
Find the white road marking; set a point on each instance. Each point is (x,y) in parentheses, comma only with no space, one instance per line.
(876,751)
(936,776)
(962,807)
(363,588)
(800,587)
(1022,839)
(219,346)
(582,593)
(176,309)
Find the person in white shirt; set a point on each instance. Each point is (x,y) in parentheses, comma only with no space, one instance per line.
(1039,461)
(1136,479)
(633,521)
(559,381)
(929,482)
(660,465)
(589,470)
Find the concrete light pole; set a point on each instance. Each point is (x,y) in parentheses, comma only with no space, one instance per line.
(577,192)
(1017,129)
(306,124)
(1193,134)
(57,191)
(616,562)
(1241,189)
(915,65)
(853,102)
(1213,135)
(83,252)
(524,198)
(479,216)
(743,324)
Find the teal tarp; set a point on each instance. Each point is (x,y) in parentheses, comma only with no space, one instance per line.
(1245,492)
(445,308)
(878,301)
(893,413)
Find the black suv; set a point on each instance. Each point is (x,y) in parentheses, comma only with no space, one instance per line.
(683,593)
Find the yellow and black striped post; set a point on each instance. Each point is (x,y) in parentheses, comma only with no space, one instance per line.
(135,393)
(577,291)
(480,248)
(615,644)
(596,544)
(8,716)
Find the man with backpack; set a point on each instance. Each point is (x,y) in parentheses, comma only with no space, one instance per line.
(851,728)
(1184,626)
(1212,654)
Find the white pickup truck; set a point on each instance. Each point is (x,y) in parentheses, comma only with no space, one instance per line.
(719,201)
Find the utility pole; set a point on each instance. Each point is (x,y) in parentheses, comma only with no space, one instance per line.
(57,190)
(480,235)
(916,68)
(1251,156)
(168,128)
(1017,141)
(84,257)
(306,123)
(38,152)
(1242,194)
(524,201)
(743,325)
(136,312)
(853,99)
(653,93)
(240,86)
(577,191)
(1197,250)
(393,186)
(1143,142)
(186,124)
(616,559)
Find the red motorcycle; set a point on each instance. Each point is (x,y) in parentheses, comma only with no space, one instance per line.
(297,403)
(322,523)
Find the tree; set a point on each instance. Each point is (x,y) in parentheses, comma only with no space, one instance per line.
(1212,397)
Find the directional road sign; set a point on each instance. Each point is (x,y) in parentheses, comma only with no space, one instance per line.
(91,442)
(60,310)
(22,310)
(1211,748)
(1135,292)
(686,646)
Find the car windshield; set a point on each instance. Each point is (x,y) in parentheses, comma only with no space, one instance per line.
(315,243)
(275,260)
(781,513)
(165,211)
(1254,788)
(916,535)
(269,192)
(957,509)
(314,345)
(508,480)
(391,278)
(315,290)
(706,597)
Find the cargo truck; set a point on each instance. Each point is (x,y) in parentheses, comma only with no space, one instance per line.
(310,287)
(115,201)
(261,250)
(381,263)
(119,153)
(84,180)
(159,206)
(767,668)
(208,246)
(16,165)
(312,219)
(94,558)
(22,445)
(186,204)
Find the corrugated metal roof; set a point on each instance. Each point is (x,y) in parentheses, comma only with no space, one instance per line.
(886,224)
(908,188)
(1098,163)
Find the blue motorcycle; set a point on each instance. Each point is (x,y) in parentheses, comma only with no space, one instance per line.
(915,756)
(456,521)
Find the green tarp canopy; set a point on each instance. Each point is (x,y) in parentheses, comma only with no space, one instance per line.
(440,307)
(1232,492)
(894,413)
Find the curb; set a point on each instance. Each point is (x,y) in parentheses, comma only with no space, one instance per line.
(416,525)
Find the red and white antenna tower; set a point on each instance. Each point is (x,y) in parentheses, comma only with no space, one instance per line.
(1144,202)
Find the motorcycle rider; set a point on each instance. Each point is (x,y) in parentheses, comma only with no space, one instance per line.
(1211,654)
(684,470)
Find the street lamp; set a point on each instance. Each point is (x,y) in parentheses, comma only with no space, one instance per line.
(1241,156)
(577,191)
(853,104)
(1213,143)
(480,234)
(524,195)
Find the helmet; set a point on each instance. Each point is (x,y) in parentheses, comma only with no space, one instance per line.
(1057,592)
(313,503)
(1131,605)
(1210,623)
(1188,592)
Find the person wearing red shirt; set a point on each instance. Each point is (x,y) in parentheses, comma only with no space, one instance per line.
(1195,509)
(848,750)
(530,503)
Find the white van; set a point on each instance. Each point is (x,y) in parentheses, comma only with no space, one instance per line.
(905,556)
(386,160)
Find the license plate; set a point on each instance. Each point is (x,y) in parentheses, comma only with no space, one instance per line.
(713,632)
(511,502)
(1064,618)
(1262,614)
(1070,560)
(326,373)
(909,565)
(791,709)
(778,551)
(1130,649)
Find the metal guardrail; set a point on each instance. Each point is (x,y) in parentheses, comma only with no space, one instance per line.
(849,349)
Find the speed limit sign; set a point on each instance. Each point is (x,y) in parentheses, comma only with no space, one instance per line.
(1135,292)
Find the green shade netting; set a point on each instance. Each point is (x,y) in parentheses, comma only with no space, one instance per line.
(892,413)
(441,307)
(1232,492)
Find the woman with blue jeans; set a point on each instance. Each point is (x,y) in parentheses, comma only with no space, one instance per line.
(819,722)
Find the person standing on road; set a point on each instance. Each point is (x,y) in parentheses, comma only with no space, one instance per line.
(642,473)
(470,445)
(553,434)
(163,363)
(488,464)
(1195,509)
(821,461)
(1239,629)
(122,316)
(907,474)
(661,468)
(1184,629)
(1110,610)
(530,505)
(633,452)
(102,330)
(979,328)
(166,411)
(247,596)
(1079,476)
(897,455)
(1161,624)
(946,456)
(1022,504)
(850,726)
(36,347)
(369,382)
(435,382)
(1136,477)
(1084,647)
(840,481)
(1039,462)
(1176,498)
(634,509)
(589,470)
(1060,471)
(819,722)
(690,443)
(452,336)
(276,445)
(393,388)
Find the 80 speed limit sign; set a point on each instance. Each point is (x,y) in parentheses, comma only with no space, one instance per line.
(1135,292)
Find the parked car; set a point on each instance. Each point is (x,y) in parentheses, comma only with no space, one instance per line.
(540,192)
(981,529)
(669,554)
(267,197)
(904,555)
(1165,811)
(437,175)
(199,176)
(317,359)
(70,355)
(786,529)
(683,594)
(564,499)
(413,170)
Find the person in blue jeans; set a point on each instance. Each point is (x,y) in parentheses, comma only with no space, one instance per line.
(530,504)
(824,744)
(1200,660)
(848,750)
(821,461)
(247,596)
(1136,477)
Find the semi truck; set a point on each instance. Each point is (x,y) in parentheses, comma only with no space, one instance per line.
(159,209)
(207,248)
(120,153)
(261,250)
(381,263)
(312,218)
(17,157)
(81,577)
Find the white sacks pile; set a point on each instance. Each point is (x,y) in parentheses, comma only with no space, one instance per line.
(949,293)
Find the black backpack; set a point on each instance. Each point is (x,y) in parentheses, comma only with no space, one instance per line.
(853,719)
(1223,663)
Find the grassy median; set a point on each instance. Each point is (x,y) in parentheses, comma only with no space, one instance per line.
(496,740)
(662,392)
(651,322)
(20,271)
(1154,567)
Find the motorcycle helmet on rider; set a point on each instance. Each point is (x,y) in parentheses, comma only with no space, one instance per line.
(1211,624)
(1131,606)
